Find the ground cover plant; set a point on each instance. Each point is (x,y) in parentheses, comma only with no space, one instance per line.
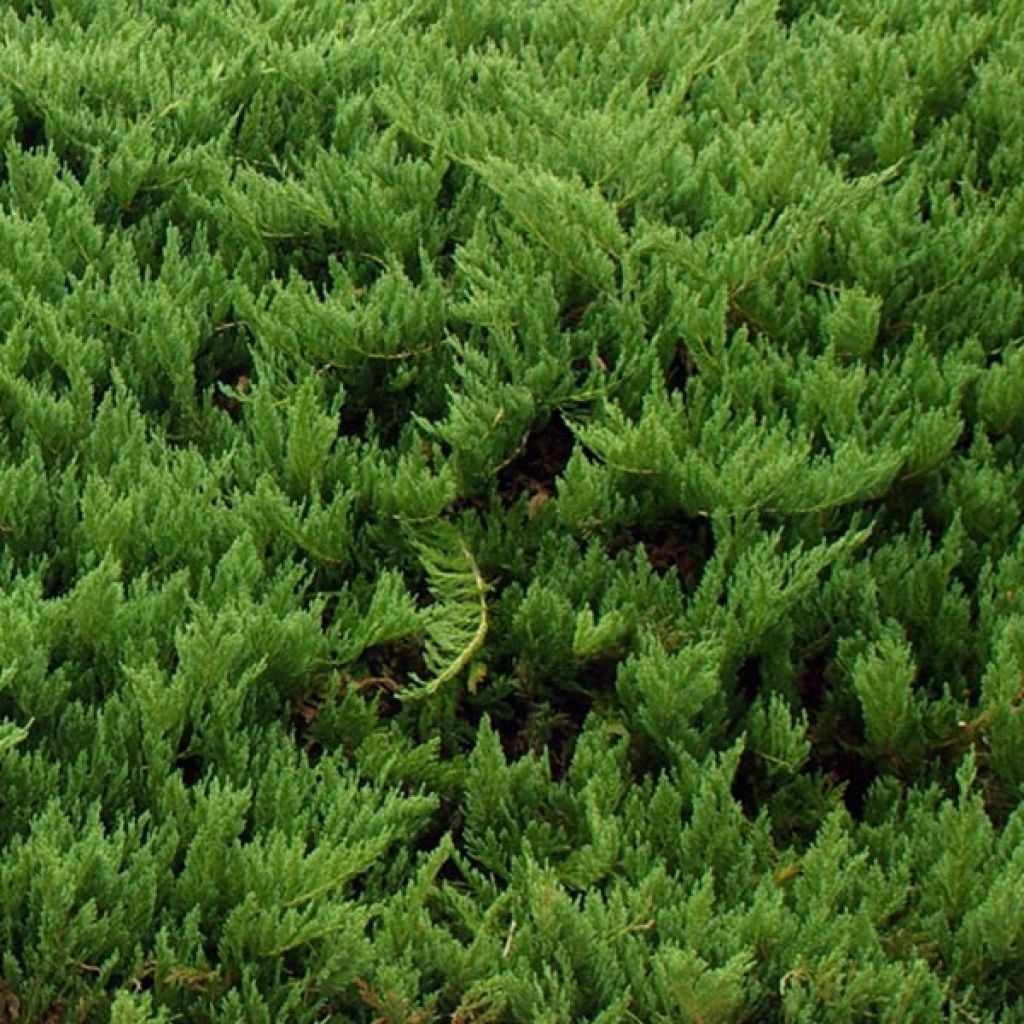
(510,511)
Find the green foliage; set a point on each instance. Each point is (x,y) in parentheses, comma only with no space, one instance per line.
(511,511)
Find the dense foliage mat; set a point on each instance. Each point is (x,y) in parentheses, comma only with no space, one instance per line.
(510,510)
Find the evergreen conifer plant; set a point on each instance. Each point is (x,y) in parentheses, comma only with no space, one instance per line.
(511,511)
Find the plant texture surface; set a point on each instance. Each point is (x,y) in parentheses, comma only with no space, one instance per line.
(510,510)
